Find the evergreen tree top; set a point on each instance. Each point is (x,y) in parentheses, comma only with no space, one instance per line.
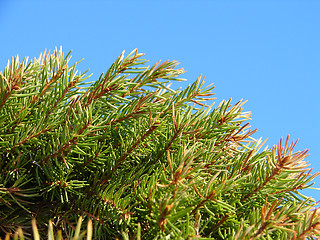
(142,160)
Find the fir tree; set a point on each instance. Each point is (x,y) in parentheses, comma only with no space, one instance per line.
(142,160)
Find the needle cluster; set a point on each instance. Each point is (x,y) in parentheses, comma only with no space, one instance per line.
(140,159)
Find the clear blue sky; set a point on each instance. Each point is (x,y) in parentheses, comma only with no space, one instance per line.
(266,52)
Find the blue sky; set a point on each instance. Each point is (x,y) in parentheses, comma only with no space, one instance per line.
(266,52)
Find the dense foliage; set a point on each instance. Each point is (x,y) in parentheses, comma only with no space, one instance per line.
(142,160)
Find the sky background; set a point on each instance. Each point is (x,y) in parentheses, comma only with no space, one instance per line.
(266,52)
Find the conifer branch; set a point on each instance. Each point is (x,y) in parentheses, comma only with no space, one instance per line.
(140,159)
